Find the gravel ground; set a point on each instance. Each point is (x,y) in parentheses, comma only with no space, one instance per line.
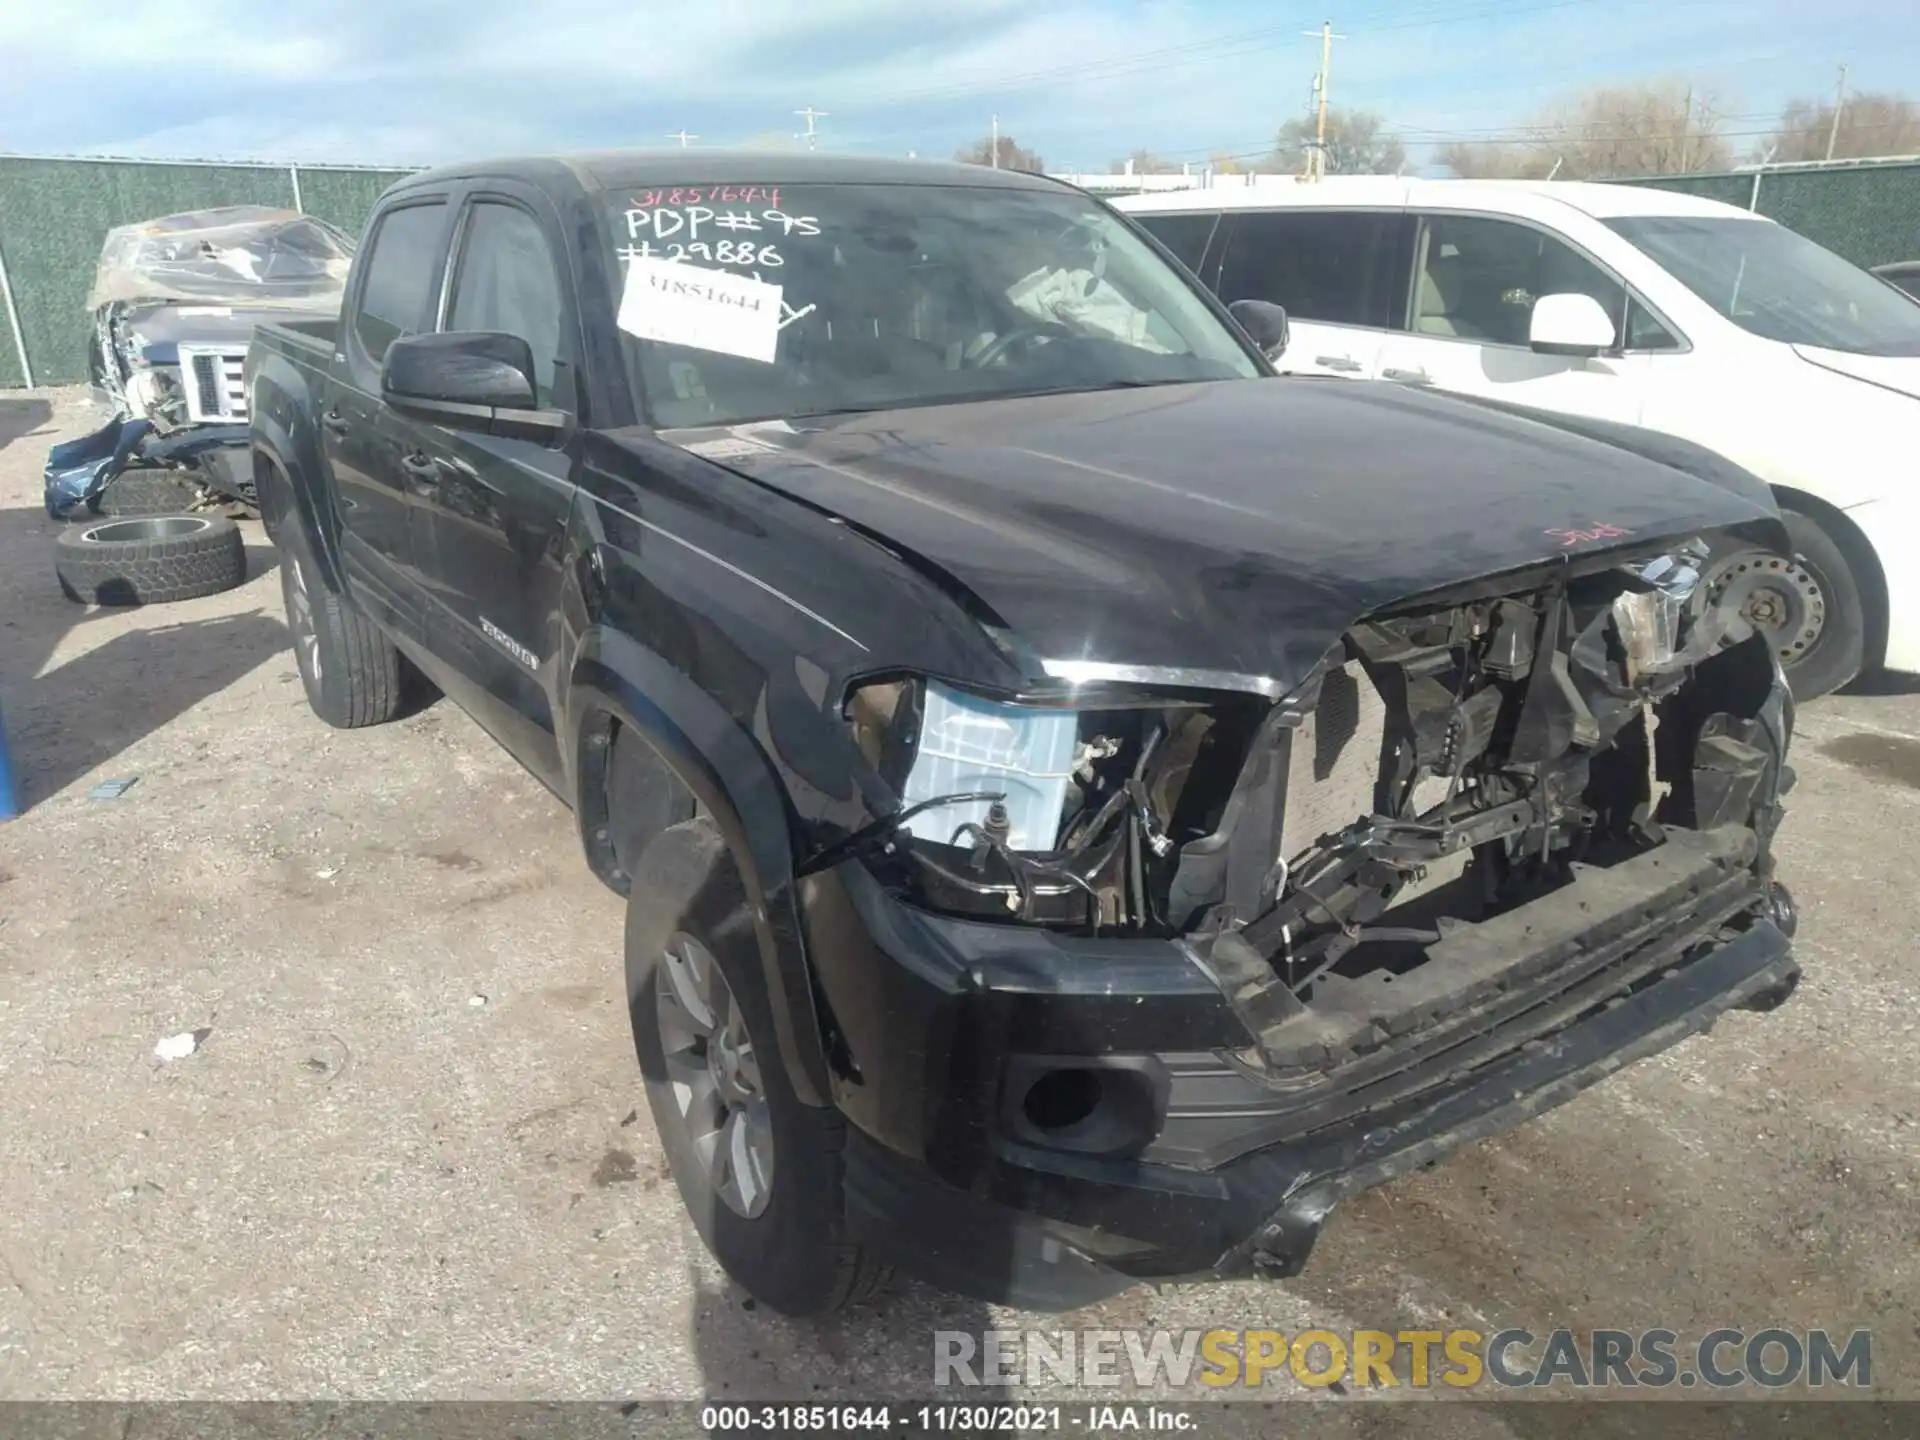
(406,1161)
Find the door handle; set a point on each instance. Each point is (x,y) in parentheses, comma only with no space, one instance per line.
(335,421)
(1337,362)
(1407,377)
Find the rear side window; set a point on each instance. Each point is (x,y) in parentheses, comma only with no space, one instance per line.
(1185,235)
(1334,266)
(400,267)
(507,283)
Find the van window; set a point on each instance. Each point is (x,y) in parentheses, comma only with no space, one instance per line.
(401,261)
(1477,279)
(506,282)
(1777,284)
(1185,235)
(1334,266)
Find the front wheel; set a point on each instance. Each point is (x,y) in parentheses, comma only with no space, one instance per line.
(1806,604)
(759,1172)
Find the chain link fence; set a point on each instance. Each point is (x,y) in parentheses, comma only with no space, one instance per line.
(55,213)
(1865,210)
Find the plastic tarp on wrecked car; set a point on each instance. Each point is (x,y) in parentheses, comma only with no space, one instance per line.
(241,254)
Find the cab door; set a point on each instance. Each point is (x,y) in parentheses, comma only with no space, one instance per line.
(497,506)
(1341,275)
(380,524)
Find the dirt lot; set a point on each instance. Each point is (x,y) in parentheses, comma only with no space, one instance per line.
(406,1162)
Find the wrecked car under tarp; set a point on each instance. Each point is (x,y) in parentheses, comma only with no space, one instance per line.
(173,306)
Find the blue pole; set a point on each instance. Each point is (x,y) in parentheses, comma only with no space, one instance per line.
(9,804)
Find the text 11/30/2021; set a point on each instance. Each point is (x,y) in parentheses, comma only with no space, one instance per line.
(843,1419)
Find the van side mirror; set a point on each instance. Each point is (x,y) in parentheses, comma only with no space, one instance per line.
(1571,324)
(1264,322)
(468,380)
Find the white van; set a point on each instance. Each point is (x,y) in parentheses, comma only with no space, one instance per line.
(1634,305)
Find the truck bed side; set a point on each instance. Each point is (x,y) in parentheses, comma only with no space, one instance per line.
(289,385)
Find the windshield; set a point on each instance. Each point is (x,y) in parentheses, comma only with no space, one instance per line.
(1778,284)
(759,302)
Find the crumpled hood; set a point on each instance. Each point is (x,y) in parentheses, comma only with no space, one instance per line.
(1235,527)
(1889,372)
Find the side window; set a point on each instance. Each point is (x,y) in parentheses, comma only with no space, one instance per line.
(1478,278)
(1334,266)
(506,282)
(401,261)
(1646,333)
(1185,235)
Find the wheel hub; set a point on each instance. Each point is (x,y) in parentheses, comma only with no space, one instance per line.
(1780,598)
(714,1070)
(300,614)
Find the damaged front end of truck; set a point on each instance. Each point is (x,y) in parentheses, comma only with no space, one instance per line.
(1500,842)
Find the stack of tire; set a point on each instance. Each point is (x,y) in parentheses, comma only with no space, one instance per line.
(142,544)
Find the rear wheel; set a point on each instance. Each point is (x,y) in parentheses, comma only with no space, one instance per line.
(1807,605)
(759,1172)
(349,669)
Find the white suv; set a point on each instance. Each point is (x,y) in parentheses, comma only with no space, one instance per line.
(1639,306)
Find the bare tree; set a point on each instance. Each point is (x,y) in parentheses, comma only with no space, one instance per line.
(1012,156)
(1870,124)
(1145,162)
(1355,144)
(1492,161)
(1652,128)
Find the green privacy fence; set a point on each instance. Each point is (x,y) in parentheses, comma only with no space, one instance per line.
(54,214)
(1868,211)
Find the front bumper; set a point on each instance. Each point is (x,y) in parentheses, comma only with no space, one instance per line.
(1888,525)
(939,1020)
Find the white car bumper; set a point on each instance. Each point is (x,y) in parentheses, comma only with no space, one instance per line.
(1892,527)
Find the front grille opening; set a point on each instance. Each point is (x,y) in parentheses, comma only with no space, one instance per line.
(206,384)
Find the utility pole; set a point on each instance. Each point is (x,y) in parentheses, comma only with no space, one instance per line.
(1839,104)
(1686,133)
(1317,162)
(683,136)
(994,152)
(810,115)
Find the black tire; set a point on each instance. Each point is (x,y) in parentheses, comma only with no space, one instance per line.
(1841,650)
(794,1256)
(148,492)
(149,561)
(350,670)
(1807,604)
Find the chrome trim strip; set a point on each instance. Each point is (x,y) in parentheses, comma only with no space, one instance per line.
(754,580)
(1087,672)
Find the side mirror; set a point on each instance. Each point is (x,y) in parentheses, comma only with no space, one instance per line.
(1571,324)
(468,380)
(1264,322)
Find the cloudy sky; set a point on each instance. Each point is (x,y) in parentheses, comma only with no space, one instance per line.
(1081,81)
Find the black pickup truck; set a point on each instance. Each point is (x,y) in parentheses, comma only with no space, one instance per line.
(1085,804)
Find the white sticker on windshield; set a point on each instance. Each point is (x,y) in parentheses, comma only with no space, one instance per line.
(680,304)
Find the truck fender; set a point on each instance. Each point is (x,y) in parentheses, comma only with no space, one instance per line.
(289,469)
(616,679)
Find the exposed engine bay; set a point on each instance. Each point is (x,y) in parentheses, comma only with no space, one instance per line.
(1447,764)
